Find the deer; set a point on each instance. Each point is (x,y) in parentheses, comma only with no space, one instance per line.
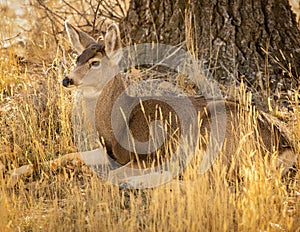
(98,58)
(96,70)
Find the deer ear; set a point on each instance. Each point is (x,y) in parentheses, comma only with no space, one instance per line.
(113,43)
(79,39)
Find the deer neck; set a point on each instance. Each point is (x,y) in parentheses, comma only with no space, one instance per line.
(111,92)
(103,112)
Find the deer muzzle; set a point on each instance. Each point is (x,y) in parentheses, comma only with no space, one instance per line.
(67,82)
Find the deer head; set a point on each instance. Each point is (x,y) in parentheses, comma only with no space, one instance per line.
(98,60)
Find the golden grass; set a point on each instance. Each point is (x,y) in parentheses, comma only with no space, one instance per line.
(35,125)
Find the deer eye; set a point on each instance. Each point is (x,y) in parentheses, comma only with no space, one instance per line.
(95,63)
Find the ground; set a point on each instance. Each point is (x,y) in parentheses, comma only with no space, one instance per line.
(36,126)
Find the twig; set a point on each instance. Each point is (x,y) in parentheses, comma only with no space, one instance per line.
(13,37)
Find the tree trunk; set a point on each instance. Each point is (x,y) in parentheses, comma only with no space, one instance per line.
(255,40)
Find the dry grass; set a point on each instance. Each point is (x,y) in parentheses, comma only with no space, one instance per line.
(35,126)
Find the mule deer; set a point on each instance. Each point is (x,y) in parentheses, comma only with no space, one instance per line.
(97,70)
(99,59)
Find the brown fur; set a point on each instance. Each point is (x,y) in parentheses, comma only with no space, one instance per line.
(270,137)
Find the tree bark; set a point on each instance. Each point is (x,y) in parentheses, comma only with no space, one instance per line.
(254,40)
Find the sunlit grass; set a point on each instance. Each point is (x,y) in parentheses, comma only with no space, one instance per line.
(35,126)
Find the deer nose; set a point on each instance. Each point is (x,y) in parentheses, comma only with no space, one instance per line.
(67,81)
